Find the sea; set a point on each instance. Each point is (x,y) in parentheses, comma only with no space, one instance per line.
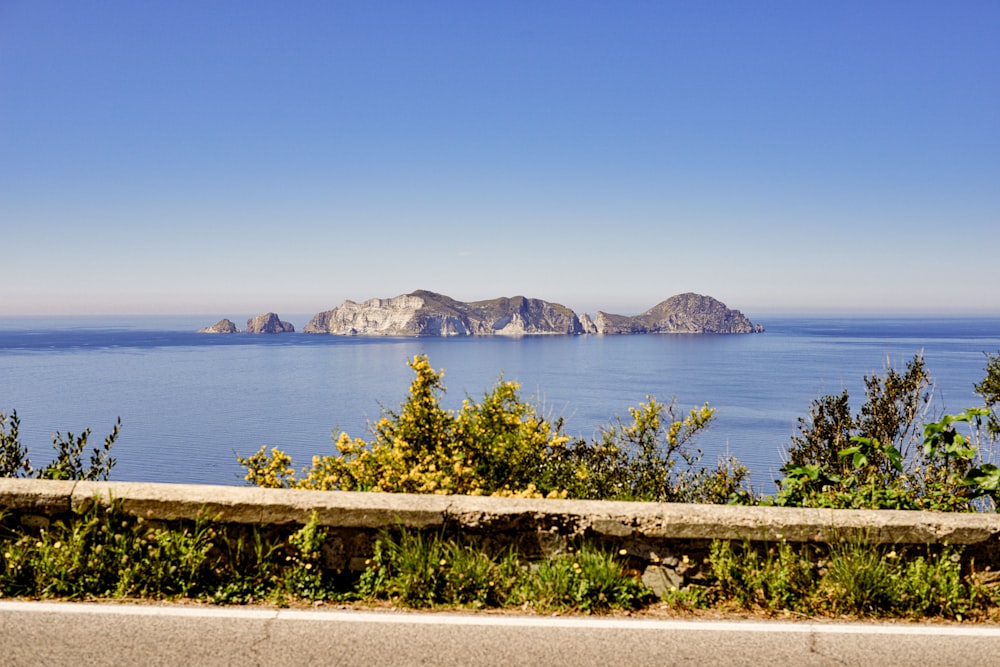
(191,403)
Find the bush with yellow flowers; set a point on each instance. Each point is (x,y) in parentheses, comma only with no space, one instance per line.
(503,446)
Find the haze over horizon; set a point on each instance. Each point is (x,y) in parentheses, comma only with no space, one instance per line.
(240,157)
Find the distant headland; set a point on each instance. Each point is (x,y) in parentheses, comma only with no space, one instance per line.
(424,313)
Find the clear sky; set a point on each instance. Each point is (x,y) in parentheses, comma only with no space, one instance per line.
(232,157)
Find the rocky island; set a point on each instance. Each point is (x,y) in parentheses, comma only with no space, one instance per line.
(223,326)
(424,313)
(683,313)
(268,323)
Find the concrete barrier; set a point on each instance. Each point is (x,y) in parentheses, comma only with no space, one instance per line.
(336,509)
(652,533)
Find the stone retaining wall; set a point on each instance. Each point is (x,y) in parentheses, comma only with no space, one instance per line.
(665,541)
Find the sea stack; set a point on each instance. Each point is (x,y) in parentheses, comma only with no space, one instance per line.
(223,326)
(268,323)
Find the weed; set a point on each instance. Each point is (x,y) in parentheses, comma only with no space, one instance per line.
(859,580)
(932,585)
(778,577)
(246,570)
(304,578)
(688,598)
(103,551)
(418,570)
(849,577)
(586,579)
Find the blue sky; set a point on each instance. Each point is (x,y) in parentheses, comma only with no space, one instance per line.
(237,157)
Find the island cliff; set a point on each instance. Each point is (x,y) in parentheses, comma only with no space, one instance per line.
(424,313)
(683,313)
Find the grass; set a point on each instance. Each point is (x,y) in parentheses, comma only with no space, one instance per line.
(106,553)
(420,571)
(847,578)
(414,570)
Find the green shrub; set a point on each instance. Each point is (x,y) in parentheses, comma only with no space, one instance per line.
(989,389)
(497,446)
(68,462)
(13,455)
(503,446)
(891,413)
(885,457)
(948,474)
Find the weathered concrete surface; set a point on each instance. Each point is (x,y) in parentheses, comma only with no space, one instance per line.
(667,544)
(31,496)
(654,521)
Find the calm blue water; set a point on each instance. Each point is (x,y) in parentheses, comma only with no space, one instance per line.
(190,402)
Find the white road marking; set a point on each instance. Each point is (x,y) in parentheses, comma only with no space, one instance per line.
(458,619)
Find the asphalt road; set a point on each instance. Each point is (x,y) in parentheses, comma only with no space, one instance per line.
(33,633)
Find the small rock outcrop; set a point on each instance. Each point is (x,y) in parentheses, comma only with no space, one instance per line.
(424,313)
(268,323)
(683,313)
(223,326)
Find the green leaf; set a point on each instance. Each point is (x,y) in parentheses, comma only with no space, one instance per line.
(986,477)
(895,458)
